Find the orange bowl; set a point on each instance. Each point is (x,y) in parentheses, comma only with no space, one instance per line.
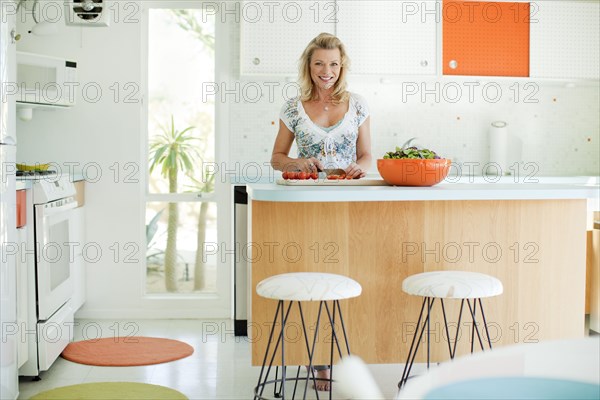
(413,172)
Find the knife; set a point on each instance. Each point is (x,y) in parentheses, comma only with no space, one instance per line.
(324,173)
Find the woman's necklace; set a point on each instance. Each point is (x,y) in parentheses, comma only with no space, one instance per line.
(328,104)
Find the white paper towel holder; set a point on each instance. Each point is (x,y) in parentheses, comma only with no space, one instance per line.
(498,139)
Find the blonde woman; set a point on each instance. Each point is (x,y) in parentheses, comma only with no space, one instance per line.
(331,126)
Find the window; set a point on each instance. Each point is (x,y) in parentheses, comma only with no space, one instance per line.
(181,211)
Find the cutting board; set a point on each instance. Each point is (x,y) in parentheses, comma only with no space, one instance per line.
(332,182)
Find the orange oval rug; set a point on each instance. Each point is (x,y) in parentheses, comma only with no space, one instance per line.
(126,351)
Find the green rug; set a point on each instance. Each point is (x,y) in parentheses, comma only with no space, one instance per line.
(110,391)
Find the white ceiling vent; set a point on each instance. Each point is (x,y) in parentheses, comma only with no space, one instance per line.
(87,12)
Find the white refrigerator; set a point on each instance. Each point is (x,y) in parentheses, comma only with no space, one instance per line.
(9,379)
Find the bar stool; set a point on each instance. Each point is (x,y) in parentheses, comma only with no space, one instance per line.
(466,286)
(296,288)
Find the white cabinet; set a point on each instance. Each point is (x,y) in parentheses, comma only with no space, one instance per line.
(401,37)
(274,34)
(77,231)
(565,39)
(381,37)
(389,37)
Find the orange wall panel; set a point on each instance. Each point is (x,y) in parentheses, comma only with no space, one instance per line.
(486,38)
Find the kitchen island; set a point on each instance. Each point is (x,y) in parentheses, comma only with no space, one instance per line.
(530,236)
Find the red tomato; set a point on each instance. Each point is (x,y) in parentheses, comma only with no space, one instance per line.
(303,175)
(292,175)
(284,175)
(333,177)
(314,175)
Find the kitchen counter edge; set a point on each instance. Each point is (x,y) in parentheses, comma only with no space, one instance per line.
(446,191)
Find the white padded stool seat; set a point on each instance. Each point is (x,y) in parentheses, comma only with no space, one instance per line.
(452,285)
(308,286)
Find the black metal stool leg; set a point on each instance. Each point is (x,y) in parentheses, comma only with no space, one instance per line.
(333,338)
(256,396)
(425,324)
(409,360)
(310,368)
(282,393)
(472,326)
(462,303)
(412,344)
(333,330)
(475,329)
(343,327)
(261,384)
(485,324)
(296,383)
(312,350)
(276,393)
(446,326)
(429,302)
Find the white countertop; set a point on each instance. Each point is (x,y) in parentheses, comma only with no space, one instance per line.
(471,188)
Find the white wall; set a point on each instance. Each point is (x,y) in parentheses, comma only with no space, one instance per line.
(96,134)
(560,134)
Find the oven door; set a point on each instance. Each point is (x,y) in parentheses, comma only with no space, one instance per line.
(54,256)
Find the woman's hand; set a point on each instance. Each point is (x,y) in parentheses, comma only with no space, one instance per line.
(354,171)
(309,165)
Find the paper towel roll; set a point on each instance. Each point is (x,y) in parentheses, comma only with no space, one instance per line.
(498,138)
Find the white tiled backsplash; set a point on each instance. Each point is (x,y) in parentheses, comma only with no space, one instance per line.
(556,130)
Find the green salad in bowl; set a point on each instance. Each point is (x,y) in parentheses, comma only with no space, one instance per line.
(411,152)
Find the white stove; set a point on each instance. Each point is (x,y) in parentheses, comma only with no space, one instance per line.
(50,314)
(48,186)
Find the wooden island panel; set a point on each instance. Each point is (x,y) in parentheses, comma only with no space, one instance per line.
(535,247)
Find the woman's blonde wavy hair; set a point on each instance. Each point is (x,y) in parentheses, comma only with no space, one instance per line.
(325,41)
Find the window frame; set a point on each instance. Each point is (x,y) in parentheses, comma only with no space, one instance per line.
(211,305)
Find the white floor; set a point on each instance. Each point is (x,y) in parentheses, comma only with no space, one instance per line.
(219,368)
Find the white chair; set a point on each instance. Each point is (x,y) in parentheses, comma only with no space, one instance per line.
(469,287)
(574,360)
(296,288)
